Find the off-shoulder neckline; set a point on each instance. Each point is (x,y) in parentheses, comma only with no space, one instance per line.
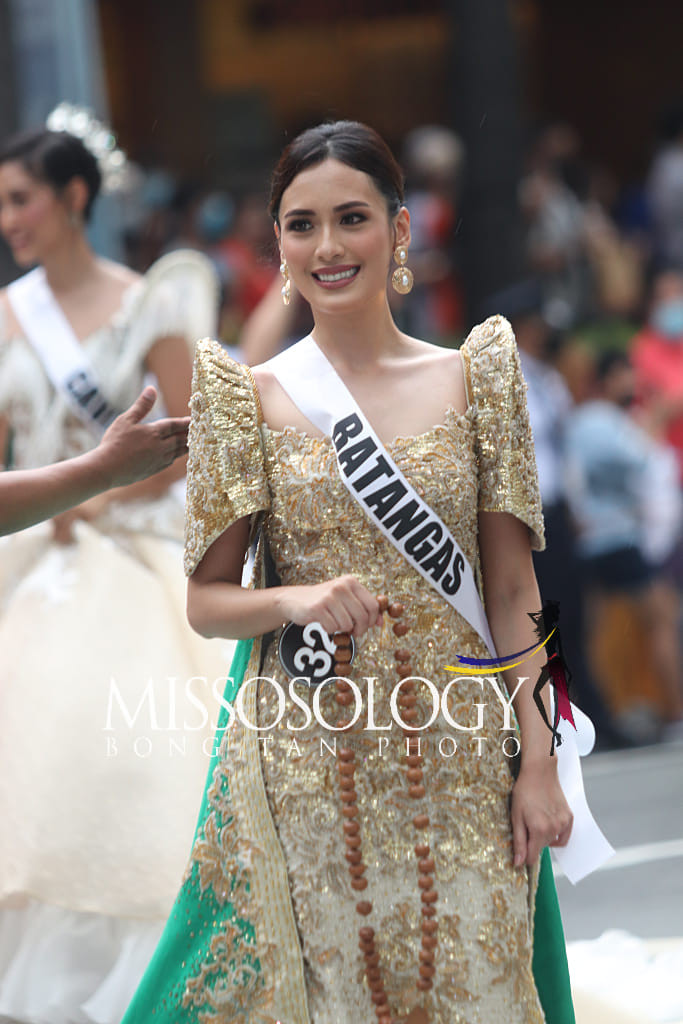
(452,419)
(118,316)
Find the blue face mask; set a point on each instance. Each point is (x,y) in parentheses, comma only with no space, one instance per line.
(667,319)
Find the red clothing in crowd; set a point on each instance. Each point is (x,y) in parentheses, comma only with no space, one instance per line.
(658,363)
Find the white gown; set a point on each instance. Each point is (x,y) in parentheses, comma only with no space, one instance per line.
(107,699)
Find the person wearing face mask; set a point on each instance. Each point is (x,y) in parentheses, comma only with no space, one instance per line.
(626,502)
(657,357)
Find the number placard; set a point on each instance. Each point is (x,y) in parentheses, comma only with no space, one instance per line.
(308,652)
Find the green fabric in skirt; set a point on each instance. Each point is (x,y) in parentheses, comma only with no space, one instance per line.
(197,925)
(551,972)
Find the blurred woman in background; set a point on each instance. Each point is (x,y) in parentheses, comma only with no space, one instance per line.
(99,669)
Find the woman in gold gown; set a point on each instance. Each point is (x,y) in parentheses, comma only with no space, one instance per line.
(267,925)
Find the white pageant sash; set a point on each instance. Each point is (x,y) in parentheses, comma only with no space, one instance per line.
(62,355)
(375,481)
(407,521)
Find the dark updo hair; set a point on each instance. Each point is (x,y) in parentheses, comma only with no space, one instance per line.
(350,142)
(55,158)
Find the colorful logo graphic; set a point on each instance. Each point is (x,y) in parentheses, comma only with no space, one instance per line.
(483,666)
(555,671)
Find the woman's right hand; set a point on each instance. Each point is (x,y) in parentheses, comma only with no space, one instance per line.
(341,605)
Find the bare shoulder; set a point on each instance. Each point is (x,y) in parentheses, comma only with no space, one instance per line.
(430,350)
(279,411)
(450,362)
(270,391)
(263,378)
(439,373)
(116,275)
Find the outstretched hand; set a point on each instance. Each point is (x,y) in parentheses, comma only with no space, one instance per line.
(129,451)
(133,450)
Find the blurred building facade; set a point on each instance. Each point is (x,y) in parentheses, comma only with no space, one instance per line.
(211,88)
(186,78)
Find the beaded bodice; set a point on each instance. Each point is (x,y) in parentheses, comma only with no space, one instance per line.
(313,522)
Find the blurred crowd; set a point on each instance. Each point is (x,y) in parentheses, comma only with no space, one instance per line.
(599,322)
(598,314)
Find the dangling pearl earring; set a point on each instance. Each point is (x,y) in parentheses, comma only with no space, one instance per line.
(402,278)
(287,286)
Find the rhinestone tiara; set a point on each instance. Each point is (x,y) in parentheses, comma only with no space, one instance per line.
(98,138)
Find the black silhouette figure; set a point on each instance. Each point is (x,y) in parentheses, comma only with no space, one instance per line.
(555,670)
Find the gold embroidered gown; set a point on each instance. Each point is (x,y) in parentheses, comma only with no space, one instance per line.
(279,833)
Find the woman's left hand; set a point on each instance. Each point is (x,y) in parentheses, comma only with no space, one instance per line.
(539,813)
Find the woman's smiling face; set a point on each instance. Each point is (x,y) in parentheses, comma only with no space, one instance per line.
(33,218)
(337,237)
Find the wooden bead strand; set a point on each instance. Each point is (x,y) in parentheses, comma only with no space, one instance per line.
(342,669)
(346,769)
(407,701)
